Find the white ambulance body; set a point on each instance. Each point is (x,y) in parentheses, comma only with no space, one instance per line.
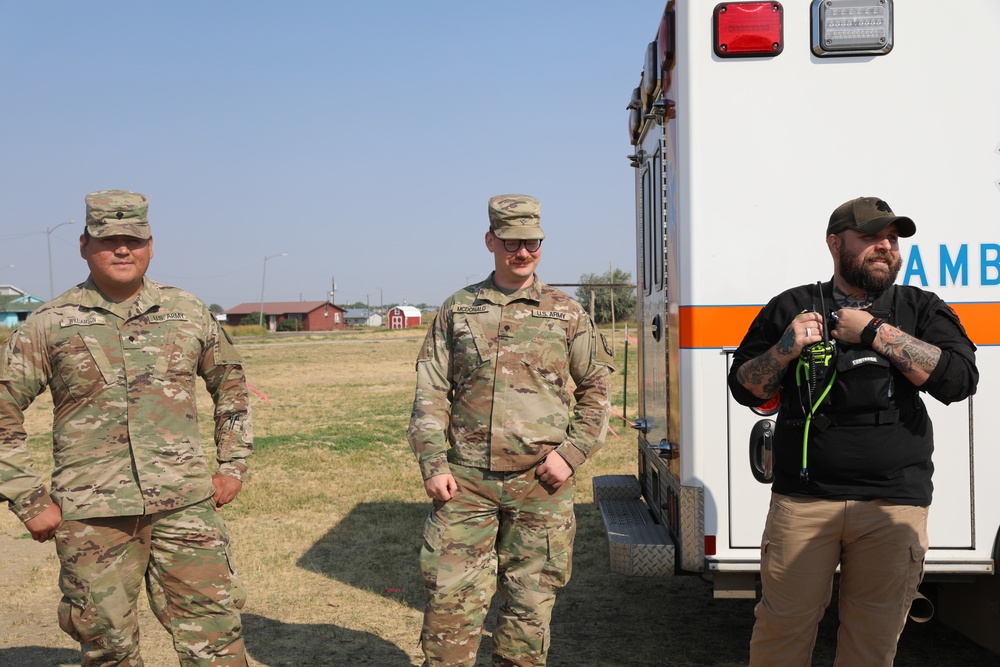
(739,159)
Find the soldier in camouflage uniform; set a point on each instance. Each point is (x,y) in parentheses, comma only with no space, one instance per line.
(498,438)
(132,497)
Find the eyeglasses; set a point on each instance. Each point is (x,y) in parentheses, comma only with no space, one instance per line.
(513,245)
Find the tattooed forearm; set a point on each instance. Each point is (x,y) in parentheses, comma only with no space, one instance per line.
(914,358)
(786,342)
(762,375)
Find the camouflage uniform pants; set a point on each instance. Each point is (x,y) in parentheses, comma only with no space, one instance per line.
(500,527)
(184,557)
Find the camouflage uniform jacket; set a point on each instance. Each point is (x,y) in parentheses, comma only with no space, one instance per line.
(125,424)
(494,379)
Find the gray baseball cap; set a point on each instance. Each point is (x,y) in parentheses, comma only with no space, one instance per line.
(868,215)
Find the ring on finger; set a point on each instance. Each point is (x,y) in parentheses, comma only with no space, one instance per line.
(809,332)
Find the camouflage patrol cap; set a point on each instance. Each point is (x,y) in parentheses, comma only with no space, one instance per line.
(117,213)
(515,217)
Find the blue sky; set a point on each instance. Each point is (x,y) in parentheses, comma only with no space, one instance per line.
(363,139)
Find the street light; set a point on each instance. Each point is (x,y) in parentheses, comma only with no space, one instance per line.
(48,242)
(263,277)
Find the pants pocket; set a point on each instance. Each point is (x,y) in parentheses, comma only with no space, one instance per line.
(96,613)
(558,567)
(430,552)
(237,590)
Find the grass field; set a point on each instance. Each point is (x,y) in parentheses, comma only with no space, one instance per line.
(327,533)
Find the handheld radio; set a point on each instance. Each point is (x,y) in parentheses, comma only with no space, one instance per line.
(814,372)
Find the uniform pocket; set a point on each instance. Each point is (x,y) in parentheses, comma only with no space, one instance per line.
(470,352)
(82,367)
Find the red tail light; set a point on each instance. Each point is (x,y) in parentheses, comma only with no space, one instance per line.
(745,29)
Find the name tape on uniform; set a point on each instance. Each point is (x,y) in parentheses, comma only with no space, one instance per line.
(81,321)
(164,317)
(462,308)
(551,314)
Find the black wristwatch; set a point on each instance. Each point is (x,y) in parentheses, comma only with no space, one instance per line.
(871,330)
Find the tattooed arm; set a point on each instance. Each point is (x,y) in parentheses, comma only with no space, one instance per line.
(762,375)
(913,357)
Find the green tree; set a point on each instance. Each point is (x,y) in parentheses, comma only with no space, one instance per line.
(216,308)
(251,318)
(624,296)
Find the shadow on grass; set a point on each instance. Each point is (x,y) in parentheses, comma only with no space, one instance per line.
(276,644)
(374,548)
(38,656)
(600,619)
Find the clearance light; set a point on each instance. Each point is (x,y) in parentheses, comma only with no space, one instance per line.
(745,29)
(634,117)
(710,545)
(851,27)
(665,46)
(650,77)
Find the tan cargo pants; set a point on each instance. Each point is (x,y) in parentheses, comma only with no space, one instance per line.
(880,548)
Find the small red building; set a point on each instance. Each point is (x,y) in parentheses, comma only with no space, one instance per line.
(403,317)
(309,315)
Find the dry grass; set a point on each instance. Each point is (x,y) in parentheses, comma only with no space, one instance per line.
(327,534)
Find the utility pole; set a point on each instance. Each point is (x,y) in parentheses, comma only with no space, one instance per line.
(611,280)
(48,242)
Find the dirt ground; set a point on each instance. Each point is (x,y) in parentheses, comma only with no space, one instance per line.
(327,533)
(601,620)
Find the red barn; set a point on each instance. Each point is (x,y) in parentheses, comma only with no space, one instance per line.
(308,315)
(403,317)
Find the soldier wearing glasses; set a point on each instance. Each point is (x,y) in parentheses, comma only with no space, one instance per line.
(498,439)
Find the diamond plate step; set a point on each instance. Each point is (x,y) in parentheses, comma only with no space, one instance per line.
(625,487)
(637,546)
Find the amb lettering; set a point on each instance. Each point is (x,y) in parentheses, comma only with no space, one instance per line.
(955,266)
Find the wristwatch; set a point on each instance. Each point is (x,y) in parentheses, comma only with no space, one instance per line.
(871,330)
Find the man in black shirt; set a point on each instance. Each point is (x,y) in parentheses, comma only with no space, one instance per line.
(853,441)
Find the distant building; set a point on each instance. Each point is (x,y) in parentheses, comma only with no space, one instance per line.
(362,317)
(310,315)
(403,317)
(16,305)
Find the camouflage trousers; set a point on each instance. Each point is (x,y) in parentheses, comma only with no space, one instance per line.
(193,589)
(503,528)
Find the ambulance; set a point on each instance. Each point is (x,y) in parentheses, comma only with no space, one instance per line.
(751,122)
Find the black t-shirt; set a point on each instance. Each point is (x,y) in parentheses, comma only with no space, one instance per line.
(847,460)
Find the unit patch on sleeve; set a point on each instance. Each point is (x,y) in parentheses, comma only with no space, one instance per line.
(551,314)
(607,348)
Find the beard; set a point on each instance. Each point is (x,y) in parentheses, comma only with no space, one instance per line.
(865,275)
